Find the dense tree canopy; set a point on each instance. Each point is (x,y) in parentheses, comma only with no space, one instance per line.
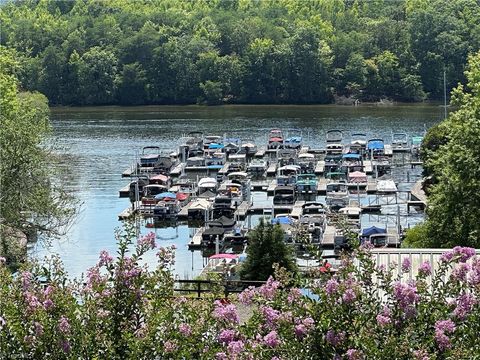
(31,200)
(452,156)
(89,52)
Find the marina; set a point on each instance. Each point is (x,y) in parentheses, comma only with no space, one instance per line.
(101,143)
(345,178)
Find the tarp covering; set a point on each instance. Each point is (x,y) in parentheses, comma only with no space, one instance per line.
(215,146)
(166,195)
(282,220)
(373,230)
(160,177)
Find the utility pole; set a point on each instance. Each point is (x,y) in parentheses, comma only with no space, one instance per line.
(445,92)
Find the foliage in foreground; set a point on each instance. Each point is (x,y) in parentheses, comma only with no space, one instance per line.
(451,152)
(123,310)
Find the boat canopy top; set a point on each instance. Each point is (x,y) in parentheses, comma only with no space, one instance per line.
(373,230)
(224,256)
(306,156)
(351,156)
(417,140)
(216,146)
(376,144)
(207,182)
(165,196)
(282,220)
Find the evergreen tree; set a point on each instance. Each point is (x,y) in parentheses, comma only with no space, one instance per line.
(266,247)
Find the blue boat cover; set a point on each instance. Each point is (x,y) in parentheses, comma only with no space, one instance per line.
(294,139)
(214,167)
(164,195)
(282,220)
(375,145)
(216,146)
(373,230)
(351,156)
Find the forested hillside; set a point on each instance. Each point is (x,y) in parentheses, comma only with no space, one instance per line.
(239,51)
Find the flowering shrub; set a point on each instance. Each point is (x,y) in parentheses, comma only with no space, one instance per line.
(123,310)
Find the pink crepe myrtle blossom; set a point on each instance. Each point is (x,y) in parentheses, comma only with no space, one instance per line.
(270,315)
(170,346)
(246,296)
(425,268)
(271,339)
(442,328)
(48,304)
(383,320)
(235,347)
(269,289)
(105,258)
(226,312)
(293,295)
(147,241)
(2,260)
(26,278)
(64,325)
(406,295)
(421,355)
(354,354)
(460,271)
(334,338)
(406,265)
(464,305)
(226,336)
(185,329)
(66,347)
(349,296)
(462,253)
(331,287)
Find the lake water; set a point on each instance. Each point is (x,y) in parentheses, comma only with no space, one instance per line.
(100,143)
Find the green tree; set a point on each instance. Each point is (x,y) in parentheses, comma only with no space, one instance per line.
(453,211)
(31,200)
(266,247)
(97,69)
(132,84)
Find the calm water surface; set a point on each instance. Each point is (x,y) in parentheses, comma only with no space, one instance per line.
(100,143)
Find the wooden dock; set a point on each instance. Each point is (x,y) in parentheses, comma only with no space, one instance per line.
(417,197)
(297,210)
(126,214)
(320,167)
(242,210)
(260,153)
(224,169)
(368,167)
(124,192)
(371,187)
(272,169)
(196,241)
(177,170)
(129,172)
(322,186)
(329,236)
